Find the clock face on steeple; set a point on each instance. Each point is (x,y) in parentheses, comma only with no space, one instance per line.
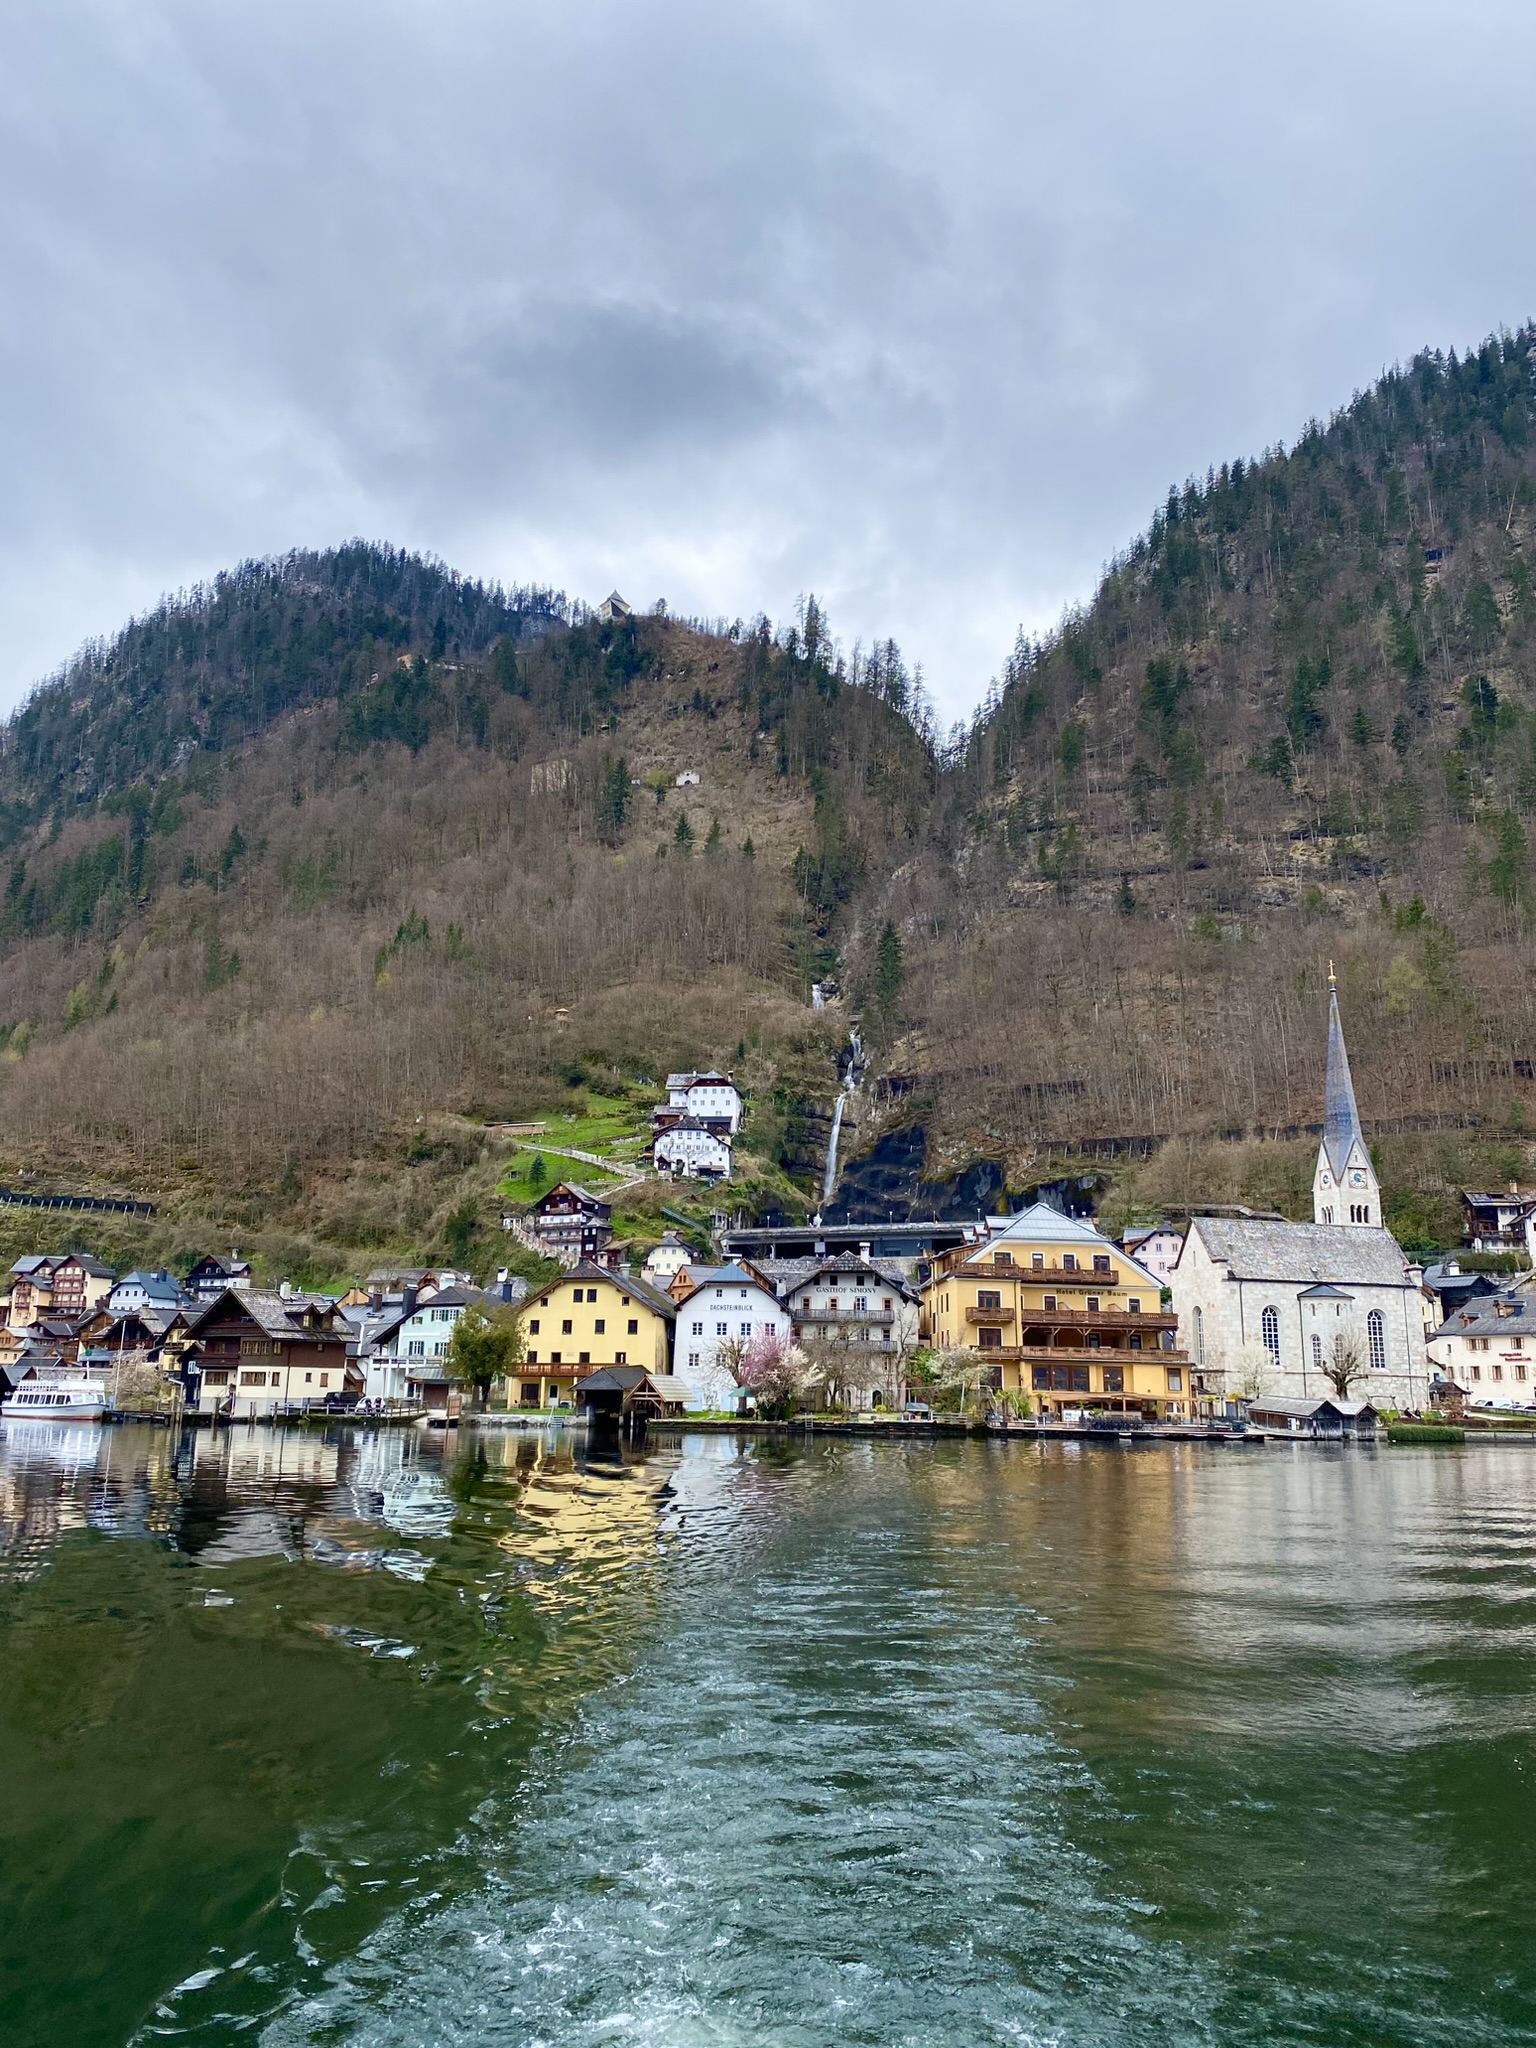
(1357,1179)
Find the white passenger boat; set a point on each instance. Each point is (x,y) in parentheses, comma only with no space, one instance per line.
(60,1400)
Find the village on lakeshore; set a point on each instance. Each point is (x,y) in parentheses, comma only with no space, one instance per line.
(1231,1322)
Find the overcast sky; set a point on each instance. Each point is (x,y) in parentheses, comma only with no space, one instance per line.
(921,308)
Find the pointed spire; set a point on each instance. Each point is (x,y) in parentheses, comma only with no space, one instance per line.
(1341,1119)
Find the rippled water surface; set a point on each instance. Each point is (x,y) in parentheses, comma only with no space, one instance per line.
(397,1741)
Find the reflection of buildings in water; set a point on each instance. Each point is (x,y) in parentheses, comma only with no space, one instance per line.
(55,1477)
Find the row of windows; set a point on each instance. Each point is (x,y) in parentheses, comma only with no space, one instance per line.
(1496,1371)
(599,1325)
(582,1358)
(1076,1379)
(829,1307)
(721,1329)
(1269,1325)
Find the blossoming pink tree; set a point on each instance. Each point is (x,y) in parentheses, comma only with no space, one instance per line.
(775,1372)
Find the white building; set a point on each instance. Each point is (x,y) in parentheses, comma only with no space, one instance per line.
(851,1303)
(410,1343)
(1488,1349)
(665,1261)
(689,1149)
(712,1098)
(162,1293)
(1155,1246)
(728,1308)
(1265,1308)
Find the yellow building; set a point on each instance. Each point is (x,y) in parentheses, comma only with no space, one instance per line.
(1058,1312)
(587,1319)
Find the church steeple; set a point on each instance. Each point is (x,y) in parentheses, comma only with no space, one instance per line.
(1344,1184)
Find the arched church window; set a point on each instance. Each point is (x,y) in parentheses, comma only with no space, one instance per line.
(1376,1339)
(1317,1352)
(1269,1323)
(1199,1336)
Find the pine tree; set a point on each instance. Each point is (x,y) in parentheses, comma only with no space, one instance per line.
(682,838)
(613,801)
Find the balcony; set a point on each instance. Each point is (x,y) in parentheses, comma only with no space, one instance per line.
(1032,1276)
(989,1315)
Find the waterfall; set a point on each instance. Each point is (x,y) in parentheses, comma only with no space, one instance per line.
(851,1080)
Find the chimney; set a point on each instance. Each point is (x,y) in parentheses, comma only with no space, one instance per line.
(864,1250)
(285,1289)
(409,1298)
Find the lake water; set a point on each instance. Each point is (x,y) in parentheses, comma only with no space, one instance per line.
(376,1739)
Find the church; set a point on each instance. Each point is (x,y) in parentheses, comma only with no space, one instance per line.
(1267,1308)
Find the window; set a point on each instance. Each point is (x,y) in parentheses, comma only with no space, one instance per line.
(746,1329)
(1134,1305)
(1050,1301)
(861,1304)
(991,1339)
(634,1327)
(1477,1372)
(1040,1376)
(885,1306)
(988,1298)
(308,1377)
(722,1329)
(623,1301)
(1496,1372)
(256,1379)
(533,1327)
(1037,1258)
(805,1305)
(621,1358)
(832,1306)
(533,1359)
(1376,1339)
(1077,1379)
(693,1358)
(1069,1262)
(1100,1262)
(555,1358)
(1199,1336)
(1269,1324)
(1317,1352)
(530,1393)
(1114,1379)
(1093,1304)
(585,1358)
(1133,1342)
(1519,1372)
(277,1379)
(565,1327)
(417,1348)
(1095,1340)
(698,1329)
(599,1326)
(325,1379)
(1002,1259)
(1175,1380)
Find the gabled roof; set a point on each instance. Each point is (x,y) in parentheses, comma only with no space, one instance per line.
(278,1315)
(1311,1253)
(1324,1293)
(732,1275)
(1040,1220)
(570,1187)
(1518,1320)
(33,1263)
(1305,1410)
(639,1290)
(446,1297)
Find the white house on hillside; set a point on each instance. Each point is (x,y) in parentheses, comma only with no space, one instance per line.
(688,1148)
(714,1099)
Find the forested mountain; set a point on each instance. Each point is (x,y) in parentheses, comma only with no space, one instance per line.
(346,841)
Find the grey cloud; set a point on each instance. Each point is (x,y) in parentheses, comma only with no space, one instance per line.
(921,310)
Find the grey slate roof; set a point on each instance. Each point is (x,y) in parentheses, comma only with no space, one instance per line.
(1487,1322)
(1309,1254)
